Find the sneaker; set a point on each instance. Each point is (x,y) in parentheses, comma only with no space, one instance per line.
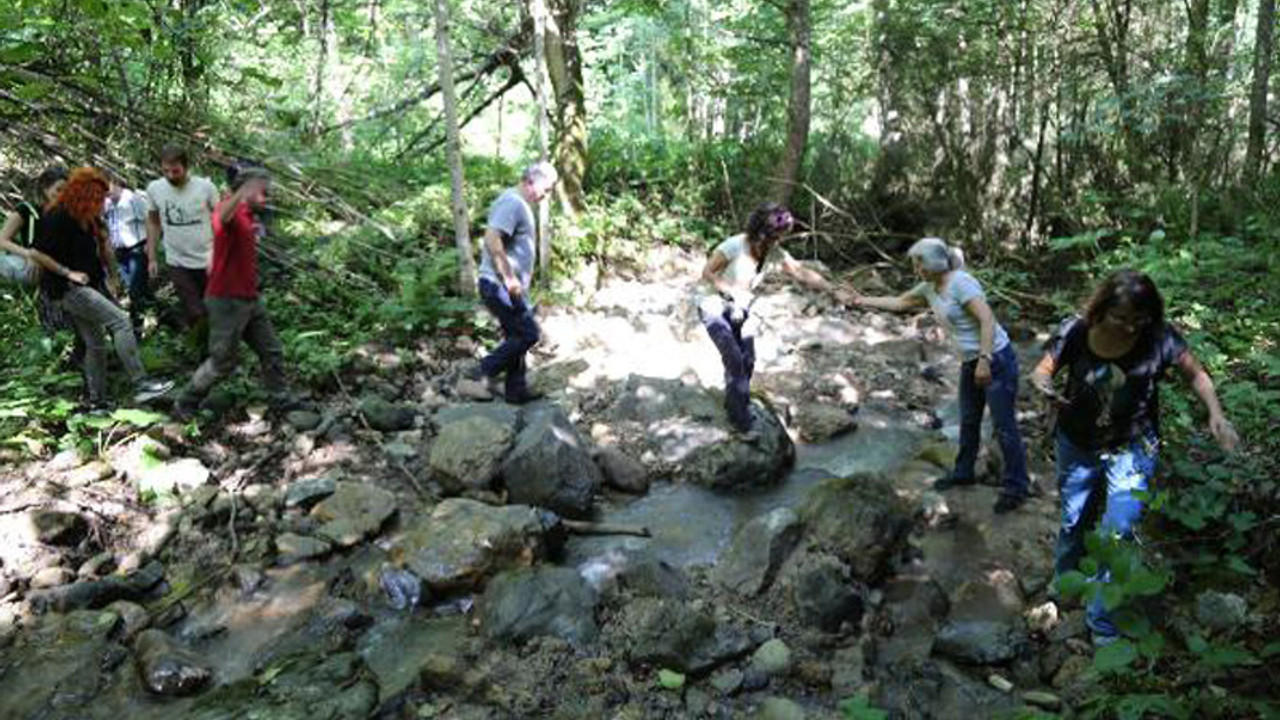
(950,481)
(98,408)
(1101,641)
(525,397)
(1009,503)
(149,390)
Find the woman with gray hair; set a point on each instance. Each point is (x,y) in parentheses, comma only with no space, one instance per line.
(989,366)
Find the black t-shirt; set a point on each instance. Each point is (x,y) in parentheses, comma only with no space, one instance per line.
(61,238)
(1111,402)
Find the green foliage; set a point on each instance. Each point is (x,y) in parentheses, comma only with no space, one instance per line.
(859,707)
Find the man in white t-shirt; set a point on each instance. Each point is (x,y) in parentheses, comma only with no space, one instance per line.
(179,210)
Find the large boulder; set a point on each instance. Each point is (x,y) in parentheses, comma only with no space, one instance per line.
(823,595)
(547,601)
(551,466)
(684,429)
(354,512)
(59,664)
(678,635)
(463,543)
(979,642)
(757,551)
(386,416)
(861,520)
(467,454)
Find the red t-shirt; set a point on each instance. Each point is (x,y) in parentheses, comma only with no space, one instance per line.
(233,271)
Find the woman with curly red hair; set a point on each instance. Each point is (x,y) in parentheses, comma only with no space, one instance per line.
(72,248)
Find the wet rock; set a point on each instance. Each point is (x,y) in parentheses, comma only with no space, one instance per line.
(56,527)
(1221,612)
(468,453)
(354,512)
(248,579)
(551,601)
(757,551)
(51,577)
(727,682)
(775,708)
(403,588)
(685,428)
(98,593)
(385,416)
(823,595)
(400,451)
(291,548)
(133,618)
(550,465)
(979,642)
(404,651)
(500,413)
(861,520)
(167,668)
(1072,668)
(97,566)
(911,609)
(929,689)
(58,665)
(772,658)
(678,635)
(305,493)
(463,543)
(818,421)
(622,472)
(635,572)
(303,420)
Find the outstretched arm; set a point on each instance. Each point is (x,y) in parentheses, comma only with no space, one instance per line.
(906,301)
(811,278)
(1221,429)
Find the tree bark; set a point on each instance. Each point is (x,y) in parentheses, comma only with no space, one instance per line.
(461,228)
(799,33)
(538,8)
(564,67)
(1262,48)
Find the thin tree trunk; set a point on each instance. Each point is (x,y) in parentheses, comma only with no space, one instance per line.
(325,29)
(1263,45)
(564,68)
(539,11)
(800,32)
(461,228)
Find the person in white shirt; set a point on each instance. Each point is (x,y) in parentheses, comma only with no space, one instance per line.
(727,286)
(179,207)
(126,216)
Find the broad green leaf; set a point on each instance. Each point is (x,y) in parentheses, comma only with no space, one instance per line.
(1116,656)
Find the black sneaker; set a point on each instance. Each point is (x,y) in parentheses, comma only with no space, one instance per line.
(1009,503)
(525,397)
(950,481)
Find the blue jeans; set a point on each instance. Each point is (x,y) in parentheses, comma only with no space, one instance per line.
(738,354)
(1002,396)
(136,276)
(1102,483)
(520,333)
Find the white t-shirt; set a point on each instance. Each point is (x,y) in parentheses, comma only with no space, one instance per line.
(948,307)
(185,219)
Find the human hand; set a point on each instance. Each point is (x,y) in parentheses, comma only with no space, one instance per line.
(1043,384)
(77,277)
(1224,433)
(514,289)
(982,372)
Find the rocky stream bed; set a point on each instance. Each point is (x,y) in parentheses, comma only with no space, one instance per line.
(400,551)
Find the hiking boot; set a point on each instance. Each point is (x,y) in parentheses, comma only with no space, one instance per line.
(149,389)
(1009,503)
(950,481)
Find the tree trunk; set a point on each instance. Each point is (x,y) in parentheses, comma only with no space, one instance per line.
(799,32)
(325,30)
(1262,48)
(564,67)
(461,228)
(538,8)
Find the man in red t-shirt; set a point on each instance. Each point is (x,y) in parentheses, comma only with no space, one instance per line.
(231,295)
